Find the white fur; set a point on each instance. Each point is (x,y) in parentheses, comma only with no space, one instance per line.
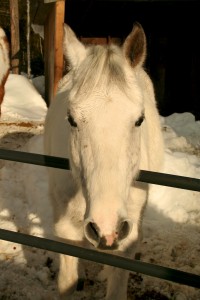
(105,96)
(4,56)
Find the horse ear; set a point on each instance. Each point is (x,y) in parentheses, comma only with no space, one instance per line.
(74,50)
(134,46)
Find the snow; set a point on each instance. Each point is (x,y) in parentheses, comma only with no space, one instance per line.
(171,231)
(22,101)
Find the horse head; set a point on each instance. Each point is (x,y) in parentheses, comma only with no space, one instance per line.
(105,116)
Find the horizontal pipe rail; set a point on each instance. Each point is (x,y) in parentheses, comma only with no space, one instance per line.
(92,255)
(103,258)
(175,181)
(35,159)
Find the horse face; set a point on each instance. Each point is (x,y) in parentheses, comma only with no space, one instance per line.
(105,115)
(105,150)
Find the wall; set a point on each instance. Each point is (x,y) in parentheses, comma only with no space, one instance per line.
(172,29)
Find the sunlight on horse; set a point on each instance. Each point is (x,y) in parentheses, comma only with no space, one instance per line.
(4,63)
(105,120)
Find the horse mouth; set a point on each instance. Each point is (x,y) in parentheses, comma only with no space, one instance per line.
(103,245)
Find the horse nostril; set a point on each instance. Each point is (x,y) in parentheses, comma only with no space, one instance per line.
(94,229)
(125,228)
(92,233)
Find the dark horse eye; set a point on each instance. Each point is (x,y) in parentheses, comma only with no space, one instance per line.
(139,121)
(71,121)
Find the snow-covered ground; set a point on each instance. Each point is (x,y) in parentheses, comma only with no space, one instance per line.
(171,223)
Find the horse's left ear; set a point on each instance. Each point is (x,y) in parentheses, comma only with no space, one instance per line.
(134,47)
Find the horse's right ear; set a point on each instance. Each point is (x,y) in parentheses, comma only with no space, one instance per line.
(74,50)
(134,47)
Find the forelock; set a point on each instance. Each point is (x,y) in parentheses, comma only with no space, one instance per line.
(102,68)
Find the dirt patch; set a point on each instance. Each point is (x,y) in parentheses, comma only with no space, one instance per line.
(14,135)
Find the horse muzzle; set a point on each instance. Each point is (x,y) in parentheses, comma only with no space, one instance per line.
(107,241)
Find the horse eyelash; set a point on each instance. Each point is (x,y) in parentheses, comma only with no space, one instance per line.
(140,120)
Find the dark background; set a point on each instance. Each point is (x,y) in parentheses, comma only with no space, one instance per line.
(173,33)
(172,29)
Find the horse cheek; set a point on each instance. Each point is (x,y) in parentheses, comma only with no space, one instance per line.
(75,153)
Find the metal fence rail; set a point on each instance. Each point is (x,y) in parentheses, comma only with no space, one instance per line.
(88,254)
(103,258)
(175,181)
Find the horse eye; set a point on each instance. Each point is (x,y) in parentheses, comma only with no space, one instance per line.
(71,121)
(139,121)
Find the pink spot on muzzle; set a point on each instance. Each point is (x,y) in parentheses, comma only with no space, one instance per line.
(110,239)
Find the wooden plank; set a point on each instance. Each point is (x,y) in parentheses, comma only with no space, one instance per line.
(50,1)
(100,40)
(94,40)
(59,24)
(34,10)
(39,11)
(15,41)
(53,49)
(49,32)
(114,40)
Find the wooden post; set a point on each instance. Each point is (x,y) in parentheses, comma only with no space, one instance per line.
(53,49)
(28,29)
(59,29)
(15,40)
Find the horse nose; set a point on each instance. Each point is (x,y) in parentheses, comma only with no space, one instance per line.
(102,240)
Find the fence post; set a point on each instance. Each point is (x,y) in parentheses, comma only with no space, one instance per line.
(15,39)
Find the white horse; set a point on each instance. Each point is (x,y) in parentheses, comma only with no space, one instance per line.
(105,120)
(4,63)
